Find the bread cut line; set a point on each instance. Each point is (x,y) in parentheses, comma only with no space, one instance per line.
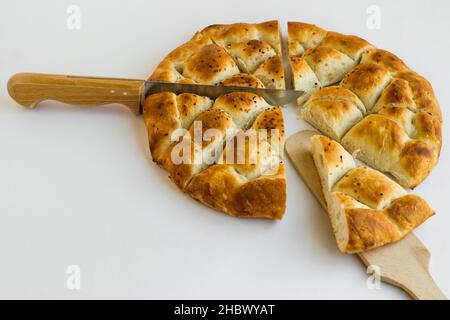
(363,97)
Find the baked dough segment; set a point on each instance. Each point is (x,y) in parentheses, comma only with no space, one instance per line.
(366,208)
(320,58)
(220,52)
(220,187)
(166,112)
(249,55)
(395,123)
(242,80)
(367,81)
(381,142)
(334,110)
(191,155)
(210,65)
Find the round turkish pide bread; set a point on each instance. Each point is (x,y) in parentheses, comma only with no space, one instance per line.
(363,97)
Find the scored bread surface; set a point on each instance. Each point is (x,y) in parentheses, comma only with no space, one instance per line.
(367,99)
(366,208)
(241,55)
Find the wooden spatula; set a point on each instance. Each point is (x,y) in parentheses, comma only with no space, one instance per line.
(403,264)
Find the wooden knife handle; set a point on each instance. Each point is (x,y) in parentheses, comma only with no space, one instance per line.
(28,89)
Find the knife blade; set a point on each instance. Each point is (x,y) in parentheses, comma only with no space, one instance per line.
(277,97)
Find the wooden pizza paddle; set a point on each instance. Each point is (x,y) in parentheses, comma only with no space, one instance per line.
(403,264)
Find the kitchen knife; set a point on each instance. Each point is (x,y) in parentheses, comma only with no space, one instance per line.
(28,89)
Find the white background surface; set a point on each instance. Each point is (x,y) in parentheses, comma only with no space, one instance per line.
(78,187)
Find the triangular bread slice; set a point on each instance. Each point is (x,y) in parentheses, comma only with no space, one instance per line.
(366,208)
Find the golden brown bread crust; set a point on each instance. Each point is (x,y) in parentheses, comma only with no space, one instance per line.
(351,46)
(213,118)
(334,109)
(163,121)
(303,36)
(366,208)
(271,73)
(238,54)
(245,189)
(382,142)
(265,155)
(303,77)
(230,55)
(243,80)
(368,229)
(385,58)
(409,211)
(338,93)
(328,64)
(164,113)
(210,65)
(249,55)
(220,52)
(369,187)
(367,81)
(330,55)
(222,188)
(423,93)
(398,129)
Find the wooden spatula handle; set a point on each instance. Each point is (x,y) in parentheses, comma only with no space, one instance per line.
(422,287)
(405,264)
(28,89)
